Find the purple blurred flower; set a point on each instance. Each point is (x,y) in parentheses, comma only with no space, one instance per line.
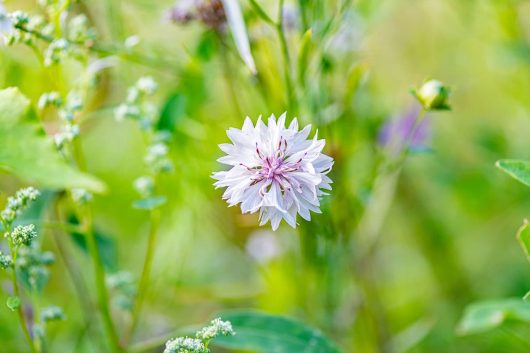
(399,131)
(211,13)
(182,12)
(349,35)
(291,17)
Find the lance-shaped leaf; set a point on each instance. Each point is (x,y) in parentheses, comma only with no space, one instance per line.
(484,316)
(519,170)
(239,32)
(264,333)
(28,153)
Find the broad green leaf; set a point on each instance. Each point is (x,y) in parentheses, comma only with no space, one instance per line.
(517,169)
(239,32)
(523,235)
(527,296)
(484,316)
(13,302)
(28,153)
(264,333)
(149,203)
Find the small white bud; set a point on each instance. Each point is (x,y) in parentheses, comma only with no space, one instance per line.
(433,95)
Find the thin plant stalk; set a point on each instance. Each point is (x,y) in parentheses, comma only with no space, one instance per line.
(370,230)
(229,78)
(99,273)
(72,266)
(16,293)
(279,28)
(97,264)
(146,273)
(291,98)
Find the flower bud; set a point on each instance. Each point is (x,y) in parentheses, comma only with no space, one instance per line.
(433,95)
(52,313)
(5,261)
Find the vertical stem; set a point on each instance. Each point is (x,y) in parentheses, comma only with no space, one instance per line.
(146,273)
(369,231)
(75,274)
(101,287)
(16,293)
(291,98)
(99,272)
(229,78)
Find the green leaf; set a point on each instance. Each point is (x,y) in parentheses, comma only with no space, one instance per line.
(149,203)
(484,316)
(303,56)
(239,32)
(523,235)
(173,111)
(13,302)
(28,153)
(106,245)
(527,296)
(264,333)
(517,169)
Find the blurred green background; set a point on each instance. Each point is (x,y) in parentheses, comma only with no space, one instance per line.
(449,236)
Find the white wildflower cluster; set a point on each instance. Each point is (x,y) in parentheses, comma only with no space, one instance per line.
(185,345)
(275,170)
(81,196)
(50,99)
(5,261)
(48,314)
(17,203)
(56,51)
(157,157)
(11,28)
(34,263)
(216,328)
(138,107)
(24,29)
(123,288)
(145,186)
(79,30)
(200,343)
(19,27)
(52,313)
(22,235)
(67,109)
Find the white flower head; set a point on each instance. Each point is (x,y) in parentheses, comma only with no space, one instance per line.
(275,170)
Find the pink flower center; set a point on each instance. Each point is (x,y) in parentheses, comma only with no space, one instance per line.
(275,168)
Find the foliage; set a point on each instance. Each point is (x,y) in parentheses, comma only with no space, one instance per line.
(115,110)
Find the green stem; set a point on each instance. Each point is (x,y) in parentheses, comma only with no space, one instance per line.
(72,266)
(111,50)
(99,273)
(261,13)
(16,293)
(146,273)
(291,99)
(278,26)
(228,73)
(369,232)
